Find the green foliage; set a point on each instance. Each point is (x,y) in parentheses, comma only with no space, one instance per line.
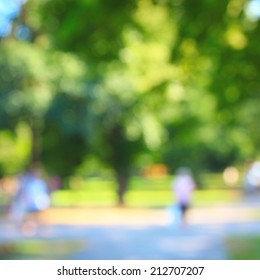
(15,149)
(243,248)
(24,89)
(62,154)
(39,249)
(91,29)
(132,83)
(249,127)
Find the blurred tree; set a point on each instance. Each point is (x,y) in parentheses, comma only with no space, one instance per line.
(32,74)
(92,29)
(25,89)
(218,49)
(105,36)
(66,133)
(134,82)
(67,124)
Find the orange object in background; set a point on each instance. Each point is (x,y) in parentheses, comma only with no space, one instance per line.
(155,171)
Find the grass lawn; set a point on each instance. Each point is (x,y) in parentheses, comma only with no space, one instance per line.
(39,249)
(142,192)
(243,248)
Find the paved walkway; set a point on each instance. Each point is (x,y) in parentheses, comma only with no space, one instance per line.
(147,234)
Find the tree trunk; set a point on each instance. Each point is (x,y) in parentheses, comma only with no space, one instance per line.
(36,143)
(122,182)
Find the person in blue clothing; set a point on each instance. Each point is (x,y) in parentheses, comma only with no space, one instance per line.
(30,200)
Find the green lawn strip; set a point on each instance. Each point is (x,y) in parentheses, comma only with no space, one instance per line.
(137,197)
(39,249)
(71,198)
(91,184)
(149,198)
(243,248)
(215,196)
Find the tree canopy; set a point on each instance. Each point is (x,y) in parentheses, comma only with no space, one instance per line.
(133,83)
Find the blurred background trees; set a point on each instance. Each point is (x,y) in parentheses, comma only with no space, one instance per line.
(128,84)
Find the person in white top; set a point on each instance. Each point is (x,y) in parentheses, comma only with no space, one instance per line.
(182,187)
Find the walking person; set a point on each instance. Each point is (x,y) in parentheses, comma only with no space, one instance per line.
(182,187)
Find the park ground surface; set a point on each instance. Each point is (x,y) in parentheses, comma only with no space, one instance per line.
(142,233)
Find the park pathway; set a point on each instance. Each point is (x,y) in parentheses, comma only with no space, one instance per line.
(150,243)
(122,234)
